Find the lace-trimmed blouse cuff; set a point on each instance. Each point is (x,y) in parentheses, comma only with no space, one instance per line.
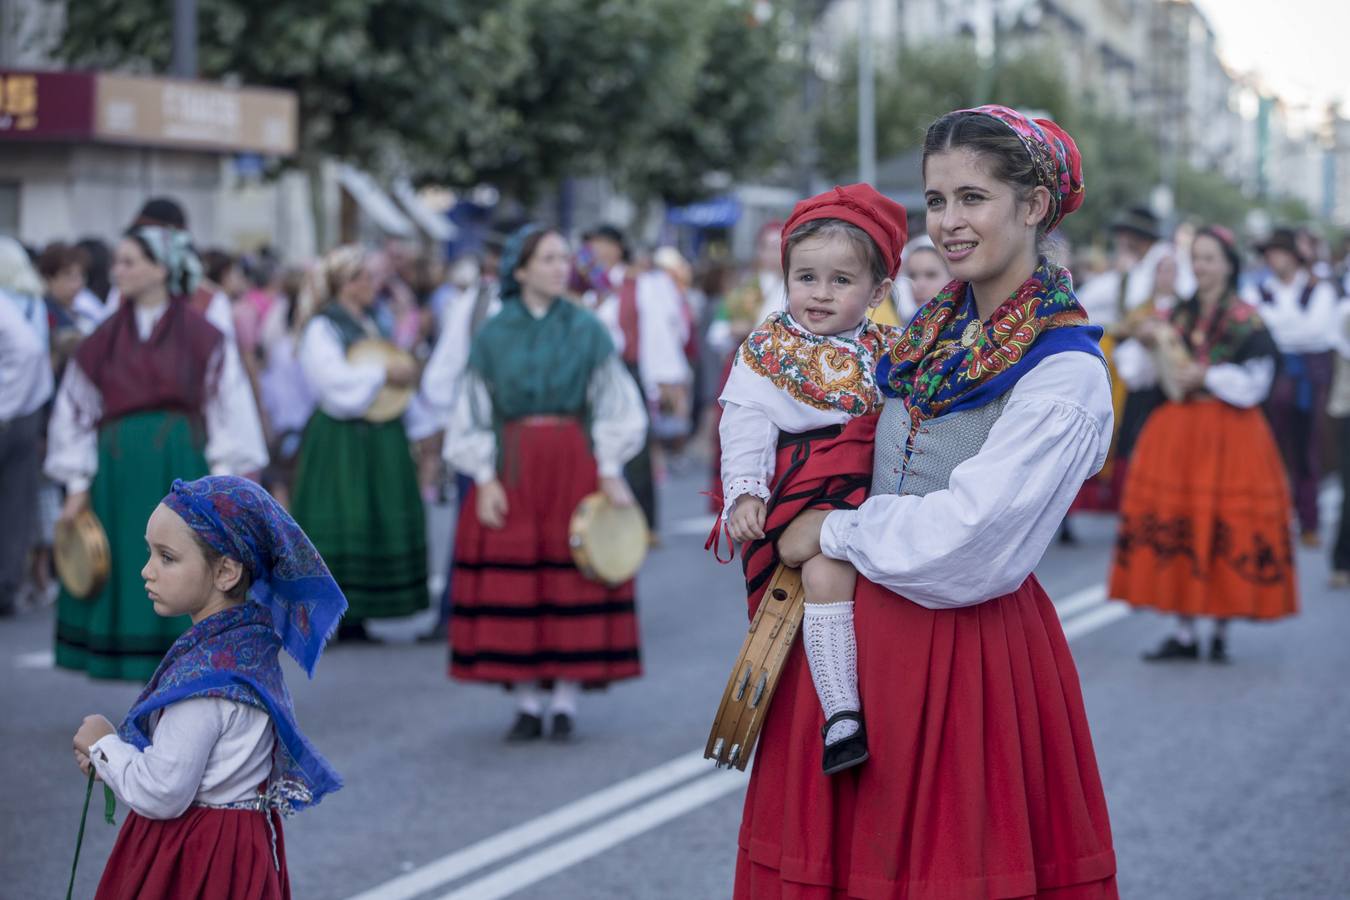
(738,487)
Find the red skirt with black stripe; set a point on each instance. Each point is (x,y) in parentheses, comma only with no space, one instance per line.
(522,610)
(208,854)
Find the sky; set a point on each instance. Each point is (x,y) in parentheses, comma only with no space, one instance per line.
(1300,48)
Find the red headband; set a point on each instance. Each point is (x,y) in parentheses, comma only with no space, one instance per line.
(864,206)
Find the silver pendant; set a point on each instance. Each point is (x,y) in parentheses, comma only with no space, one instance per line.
(971,334)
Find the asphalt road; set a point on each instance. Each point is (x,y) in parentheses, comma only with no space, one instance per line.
(1223,782)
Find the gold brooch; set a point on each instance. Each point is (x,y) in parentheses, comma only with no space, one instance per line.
(971,334)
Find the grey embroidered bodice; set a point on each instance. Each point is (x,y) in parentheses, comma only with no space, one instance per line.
(935,448)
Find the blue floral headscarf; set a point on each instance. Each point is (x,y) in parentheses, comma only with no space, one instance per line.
(293,602)
(239,519)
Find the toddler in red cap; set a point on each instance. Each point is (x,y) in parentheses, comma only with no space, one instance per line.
(798,417)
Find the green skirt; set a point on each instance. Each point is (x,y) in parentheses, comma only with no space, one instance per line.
(116,634)
(357,498)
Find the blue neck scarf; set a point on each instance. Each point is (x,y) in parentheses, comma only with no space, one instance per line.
(949,359)
(233,655)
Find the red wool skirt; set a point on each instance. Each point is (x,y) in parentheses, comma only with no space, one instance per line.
(1205,519)
(522,609)
(982,781)
(204,854)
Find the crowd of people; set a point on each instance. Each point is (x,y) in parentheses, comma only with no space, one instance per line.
(906,419)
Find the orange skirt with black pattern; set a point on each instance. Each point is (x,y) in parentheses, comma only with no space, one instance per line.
(1206,516)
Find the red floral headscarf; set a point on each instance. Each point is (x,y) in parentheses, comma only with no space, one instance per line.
(1059,166)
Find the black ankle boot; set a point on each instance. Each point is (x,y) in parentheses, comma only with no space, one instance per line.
(1173,649)
(848,752)
(526,728)
(563,726)
(1218,650)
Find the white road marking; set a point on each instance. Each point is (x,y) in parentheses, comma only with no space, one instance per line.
(42,659)
(597,839)
(1080,600)
(1100,617)
(536,831)
(698,525)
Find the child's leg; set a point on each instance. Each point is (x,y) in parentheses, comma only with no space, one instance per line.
(831,647)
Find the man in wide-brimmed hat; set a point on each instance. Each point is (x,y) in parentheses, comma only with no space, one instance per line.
(1300,311)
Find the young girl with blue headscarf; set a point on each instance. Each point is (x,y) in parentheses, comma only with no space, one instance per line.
(210,756)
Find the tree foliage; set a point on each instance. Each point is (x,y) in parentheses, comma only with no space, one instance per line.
(519,93)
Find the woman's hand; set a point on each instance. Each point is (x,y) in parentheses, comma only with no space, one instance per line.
(746,522)
(75,504)
(1191,377)
(400,373)
(617,491)
(801,541)
(1148,331)
(492,505)
(91,730)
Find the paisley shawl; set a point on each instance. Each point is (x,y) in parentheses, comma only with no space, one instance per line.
(932,372)
(1233,332)
(828,372)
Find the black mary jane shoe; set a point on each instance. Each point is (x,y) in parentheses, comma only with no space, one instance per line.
(526,728)
(562,727)
(1218,650)
(1174,649)
(848,752)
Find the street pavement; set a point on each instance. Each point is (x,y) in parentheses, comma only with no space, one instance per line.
(1223,781)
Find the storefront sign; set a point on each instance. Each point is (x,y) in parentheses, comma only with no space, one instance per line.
(150,112)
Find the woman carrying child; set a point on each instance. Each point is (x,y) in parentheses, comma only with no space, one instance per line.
(982,781)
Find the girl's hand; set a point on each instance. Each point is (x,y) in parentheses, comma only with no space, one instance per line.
(746,522)
(617,491)
(91,731)
(82,760)
(801,540)
(75,504)
(492,506)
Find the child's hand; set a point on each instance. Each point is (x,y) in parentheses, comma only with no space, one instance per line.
(82,760)
(91,730)
(746,521)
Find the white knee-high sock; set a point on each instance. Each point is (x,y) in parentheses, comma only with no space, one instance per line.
(832,653)
(564,697)
(529,698)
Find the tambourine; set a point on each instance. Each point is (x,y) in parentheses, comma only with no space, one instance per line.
(608,542)
(80,551)
(392,400)
(754,677)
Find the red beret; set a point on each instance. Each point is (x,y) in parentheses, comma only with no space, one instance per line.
(864,206)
